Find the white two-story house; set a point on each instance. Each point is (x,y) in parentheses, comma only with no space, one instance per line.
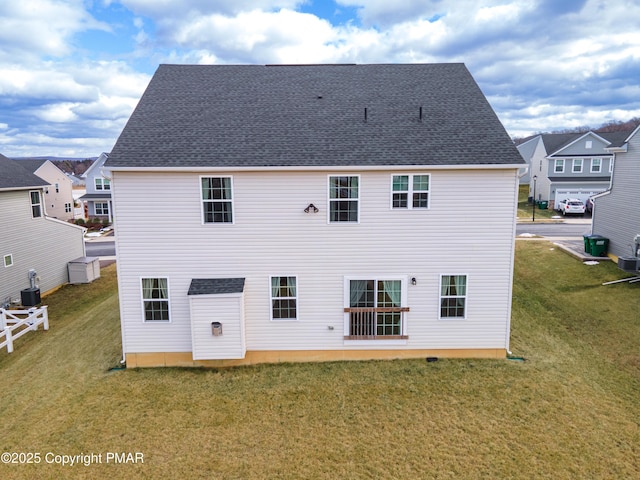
(302,213)
(33,245)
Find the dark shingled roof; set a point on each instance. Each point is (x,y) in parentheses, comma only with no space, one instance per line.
(556,141)
(213,286)
(14,176)
(312,115)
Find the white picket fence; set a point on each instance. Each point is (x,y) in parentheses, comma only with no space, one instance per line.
(15,323)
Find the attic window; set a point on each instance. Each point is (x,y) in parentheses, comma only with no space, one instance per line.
(588,144)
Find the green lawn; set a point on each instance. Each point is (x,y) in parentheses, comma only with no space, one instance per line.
(525,209)
(571,410)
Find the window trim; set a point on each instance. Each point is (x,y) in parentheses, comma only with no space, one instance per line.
(142,300)
(558,162)
(392,340)
(410,191)
(272,298)
(103,185)
(330,200)
(231,200)
(599,170)
(465,296)
(40,204)
(8,256)
(102,208)
(573,165)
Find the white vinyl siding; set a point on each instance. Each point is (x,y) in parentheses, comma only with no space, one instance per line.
(51,245)
(160,232)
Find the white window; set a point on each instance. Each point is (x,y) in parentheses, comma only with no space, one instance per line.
(284,298)
(596,165)
(559,166)
(67,208)
(588,144)
(103,184)
(155,299)
(36,204)
(375,308)
(611,165)
(8,260)
(344,198)
(577,165)
(217,199)
(410,191)
(453,296)
(102,208)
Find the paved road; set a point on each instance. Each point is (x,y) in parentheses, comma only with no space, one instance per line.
(554,229)
(100,249)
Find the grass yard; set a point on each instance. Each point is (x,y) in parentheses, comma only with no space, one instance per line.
(525,209)
(570,411)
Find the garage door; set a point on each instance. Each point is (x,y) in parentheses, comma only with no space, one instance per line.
(577,193)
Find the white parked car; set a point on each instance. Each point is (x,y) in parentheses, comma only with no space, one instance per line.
(571,205)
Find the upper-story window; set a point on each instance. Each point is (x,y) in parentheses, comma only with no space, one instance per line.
(611,165)
(103,184)
(559,166)
(217,200)
(577,165)
(596,165)
(344,198)
(36,204)
(410,191)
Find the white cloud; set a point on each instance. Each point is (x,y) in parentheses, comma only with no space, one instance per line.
(30,28)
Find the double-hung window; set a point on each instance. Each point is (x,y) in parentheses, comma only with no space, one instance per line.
(375,309)
(577,165)
(559,166)
(410,191)
(284,298)
(102,208)
(155,299)
(217,200)
(36,204)
(596,165)
(453,296)
(103,184)
(344,198)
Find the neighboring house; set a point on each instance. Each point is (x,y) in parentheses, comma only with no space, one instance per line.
(303,213)
(58,195)
(616,212)
(30,240)
(569,165)
(98,191)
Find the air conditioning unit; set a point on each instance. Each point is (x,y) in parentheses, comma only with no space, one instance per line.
(30,297)
(629,264)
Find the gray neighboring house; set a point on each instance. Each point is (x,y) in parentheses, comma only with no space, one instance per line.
(569,165)
(98,191)
(616,213)
(31,240)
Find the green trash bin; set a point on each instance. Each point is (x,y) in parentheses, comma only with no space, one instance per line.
(587,244)
(598,245)
(543,204)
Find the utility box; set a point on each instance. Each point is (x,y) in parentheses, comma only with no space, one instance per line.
(30,297)
(84,270)
(628,264)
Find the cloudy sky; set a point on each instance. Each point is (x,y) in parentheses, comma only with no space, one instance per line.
(71,71)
